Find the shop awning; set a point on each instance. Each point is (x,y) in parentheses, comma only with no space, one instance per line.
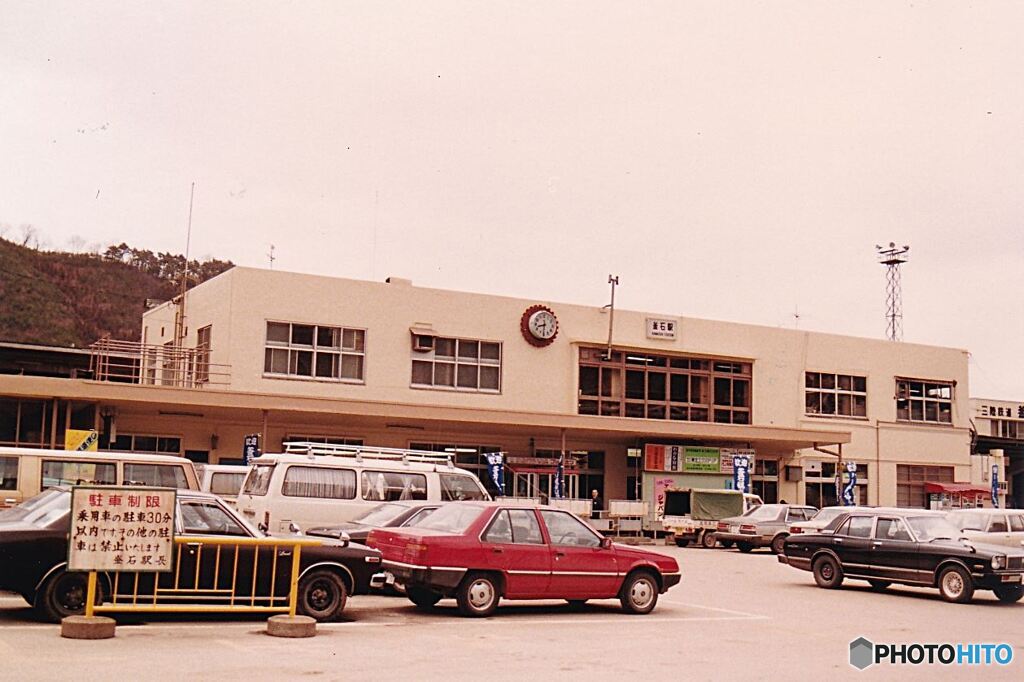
(957,488)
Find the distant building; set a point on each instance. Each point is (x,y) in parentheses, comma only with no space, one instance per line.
(292,356)
(999,428)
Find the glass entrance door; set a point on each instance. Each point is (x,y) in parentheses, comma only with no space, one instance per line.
(540,485)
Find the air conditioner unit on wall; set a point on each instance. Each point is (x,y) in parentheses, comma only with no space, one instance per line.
(422,343)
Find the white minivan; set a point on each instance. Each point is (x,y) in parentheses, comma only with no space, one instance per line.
(330,484)
(26,472)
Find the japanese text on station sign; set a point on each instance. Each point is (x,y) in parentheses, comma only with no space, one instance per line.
(121,529)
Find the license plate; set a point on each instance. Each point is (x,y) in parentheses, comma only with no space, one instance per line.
(734,529)
(1012,578)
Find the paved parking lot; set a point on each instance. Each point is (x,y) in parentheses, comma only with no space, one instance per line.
(734,616)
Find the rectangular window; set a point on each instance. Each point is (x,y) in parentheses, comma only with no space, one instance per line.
(470,457)
(63,472)
(457,364)
(203,339)
(314,352)
(320,482)
(647,386)
(910,482)
(155,445)
(835,395)
(8,473)
(162,475)
(389,486)
(326,440)
(919,400)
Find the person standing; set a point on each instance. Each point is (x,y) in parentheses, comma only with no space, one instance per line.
(596,504)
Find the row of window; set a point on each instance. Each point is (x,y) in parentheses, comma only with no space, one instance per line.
(616,384)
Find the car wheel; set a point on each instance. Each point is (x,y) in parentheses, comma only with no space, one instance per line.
(322,595)
(1009,593)
(955,585)
(779,543)
(828,573)
(639,593)
(478,595)
(63,595)
(744,547)
(879,585)
(726,543)
(422,597)
(682,542)
(708,540)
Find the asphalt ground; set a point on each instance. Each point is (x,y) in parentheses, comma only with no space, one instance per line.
(733,617)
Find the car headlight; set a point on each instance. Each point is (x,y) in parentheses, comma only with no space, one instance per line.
(998,562)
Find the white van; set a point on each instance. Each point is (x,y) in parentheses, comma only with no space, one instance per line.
(224,480)
(330,484)
(26,472)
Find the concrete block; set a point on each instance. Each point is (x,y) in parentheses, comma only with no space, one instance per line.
(288,626)
(81,627)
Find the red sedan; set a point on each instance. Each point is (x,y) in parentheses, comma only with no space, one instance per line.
(482,552)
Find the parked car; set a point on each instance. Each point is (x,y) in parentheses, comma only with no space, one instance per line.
(821,519)
(26,472)
(222,479)
(34,554)
(479,553)
(909,547)
(387,515)
(990,526)
(333,484)
(764,526)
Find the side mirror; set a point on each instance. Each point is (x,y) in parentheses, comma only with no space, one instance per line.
(294,528)
(606,543)
(344,538)
(262,527)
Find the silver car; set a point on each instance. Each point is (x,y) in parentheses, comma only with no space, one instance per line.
(764,526)
(990,526)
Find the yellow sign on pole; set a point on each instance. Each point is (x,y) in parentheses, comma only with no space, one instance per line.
(76,439)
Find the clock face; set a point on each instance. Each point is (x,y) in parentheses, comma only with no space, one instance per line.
(539,325)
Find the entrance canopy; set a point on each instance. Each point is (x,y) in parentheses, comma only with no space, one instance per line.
(955,488)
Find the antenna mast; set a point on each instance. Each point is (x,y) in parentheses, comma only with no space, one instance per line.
(614,281)
(892,257)
(179,322)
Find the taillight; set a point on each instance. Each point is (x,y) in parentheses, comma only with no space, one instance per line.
(723,526)
(414,551)
(793,530)
(746,528)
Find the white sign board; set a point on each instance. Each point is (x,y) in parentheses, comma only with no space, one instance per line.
(661,328)
(121,529)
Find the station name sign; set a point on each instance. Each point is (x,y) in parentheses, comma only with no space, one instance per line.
(692,460)
(121,529)
(662,328)
(1003,411)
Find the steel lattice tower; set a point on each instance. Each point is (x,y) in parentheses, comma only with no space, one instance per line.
(892,257)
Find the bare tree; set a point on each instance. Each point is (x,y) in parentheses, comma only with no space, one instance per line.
(29,236)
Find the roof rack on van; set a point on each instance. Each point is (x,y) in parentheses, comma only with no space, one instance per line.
(368,452)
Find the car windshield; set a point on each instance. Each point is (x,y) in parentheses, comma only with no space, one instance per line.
(928,528)
(766,512)
(968,520)
(381,515)
(42,510)
(453,518)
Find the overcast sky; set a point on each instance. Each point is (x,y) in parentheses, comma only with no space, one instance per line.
(734,160)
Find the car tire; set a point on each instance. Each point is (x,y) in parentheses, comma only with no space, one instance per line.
(726,543)
(478,595)
(828,573)
(879,585)
(63,594)
(1009,594)
(322,595)
(422,597)
(639,593)
(745,547)
(708,540)
(955,585)
(779,543)
(682,542)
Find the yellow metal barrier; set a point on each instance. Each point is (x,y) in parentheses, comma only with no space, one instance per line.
(197,583)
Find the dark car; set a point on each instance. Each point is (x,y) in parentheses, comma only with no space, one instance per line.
(480,553)
(387,515)
(34,553)
(909,547)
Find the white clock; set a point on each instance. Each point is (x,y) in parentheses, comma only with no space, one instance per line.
(539,325)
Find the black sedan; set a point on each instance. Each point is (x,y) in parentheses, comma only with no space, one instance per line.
(34,554)
(909,547)
(387,515)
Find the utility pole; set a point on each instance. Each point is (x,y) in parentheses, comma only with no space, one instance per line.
(614,281)
(892,257)
(179,363)
(271,256)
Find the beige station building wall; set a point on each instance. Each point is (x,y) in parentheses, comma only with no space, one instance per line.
(537,405)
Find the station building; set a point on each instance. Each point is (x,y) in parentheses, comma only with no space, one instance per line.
(636,401)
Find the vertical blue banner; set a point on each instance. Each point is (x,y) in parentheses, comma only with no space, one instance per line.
(741,473)
(995,486)
(851,484)
(496,470)
(251,448)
